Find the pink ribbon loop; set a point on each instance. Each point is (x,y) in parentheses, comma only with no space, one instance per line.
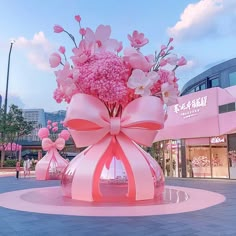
(90,125)
(89,122)
(48,144)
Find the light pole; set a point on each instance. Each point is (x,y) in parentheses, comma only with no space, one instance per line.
(8,69)
(5,106)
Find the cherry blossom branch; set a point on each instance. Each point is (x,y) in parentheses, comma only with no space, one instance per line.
(72,37)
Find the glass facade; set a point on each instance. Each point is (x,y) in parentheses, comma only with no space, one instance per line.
(232,155)
(222,75)
(232,78)
(169,157)
(213,157)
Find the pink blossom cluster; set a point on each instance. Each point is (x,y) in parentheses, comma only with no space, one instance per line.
(200,161)
(216,162)
(51,131)
(98,70)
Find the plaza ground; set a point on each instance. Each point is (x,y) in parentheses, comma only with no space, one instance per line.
(216,220)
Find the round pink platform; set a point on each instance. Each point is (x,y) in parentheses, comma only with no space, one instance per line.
(50,201)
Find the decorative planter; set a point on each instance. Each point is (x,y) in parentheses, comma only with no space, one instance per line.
(51,166)
(108,137)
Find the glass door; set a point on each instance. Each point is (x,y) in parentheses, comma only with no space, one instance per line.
(232,155)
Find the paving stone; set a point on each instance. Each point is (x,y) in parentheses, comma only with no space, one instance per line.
(218,220)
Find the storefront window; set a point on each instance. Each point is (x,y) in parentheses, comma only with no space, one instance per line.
(198,162)
(172,158)
(219,160)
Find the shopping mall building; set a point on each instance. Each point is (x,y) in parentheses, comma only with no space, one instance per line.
(199,138)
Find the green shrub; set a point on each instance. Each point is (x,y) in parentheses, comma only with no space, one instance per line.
(10,163)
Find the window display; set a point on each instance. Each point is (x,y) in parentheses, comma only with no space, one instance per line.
(198,162)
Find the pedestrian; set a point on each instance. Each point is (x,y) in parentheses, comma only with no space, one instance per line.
(27,166)
(17,169)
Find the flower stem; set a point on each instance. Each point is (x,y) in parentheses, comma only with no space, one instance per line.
(72,37)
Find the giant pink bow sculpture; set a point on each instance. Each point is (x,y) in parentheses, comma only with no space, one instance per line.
(52,164)
(91,125)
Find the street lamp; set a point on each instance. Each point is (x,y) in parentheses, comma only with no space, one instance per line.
(8,69)
(5,106)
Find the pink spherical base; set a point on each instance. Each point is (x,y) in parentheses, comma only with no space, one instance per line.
(49,200)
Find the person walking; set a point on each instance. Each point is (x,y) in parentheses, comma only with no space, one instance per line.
(17,169)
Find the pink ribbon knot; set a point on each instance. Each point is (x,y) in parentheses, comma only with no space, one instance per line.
(115,125)
(48,144)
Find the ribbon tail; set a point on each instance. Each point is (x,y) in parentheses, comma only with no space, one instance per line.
(85,185)
(156,171)
(141,183)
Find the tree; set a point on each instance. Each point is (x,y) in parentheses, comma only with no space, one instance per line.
(12,126)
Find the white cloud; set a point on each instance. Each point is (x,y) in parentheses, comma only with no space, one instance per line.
(13,98)
(38,50)
(205,18)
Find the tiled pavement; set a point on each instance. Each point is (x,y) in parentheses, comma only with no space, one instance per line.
(213,221)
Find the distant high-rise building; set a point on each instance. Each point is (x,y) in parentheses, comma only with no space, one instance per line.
(37,116)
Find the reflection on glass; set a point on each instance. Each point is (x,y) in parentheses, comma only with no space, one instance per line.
(172,157)
(219,162)
(198,162)
(232,155)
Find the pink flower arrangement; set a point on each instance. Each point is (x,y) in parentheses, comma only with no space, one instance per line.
(201,161)
(51,131)
(97,69)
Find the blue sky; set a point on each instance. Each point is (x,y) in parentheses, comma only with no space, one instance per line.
(204,32)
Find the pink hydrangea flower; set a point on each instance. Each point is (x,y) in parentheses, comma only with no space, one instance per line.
(104,76)
(137,39)
(54,60)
